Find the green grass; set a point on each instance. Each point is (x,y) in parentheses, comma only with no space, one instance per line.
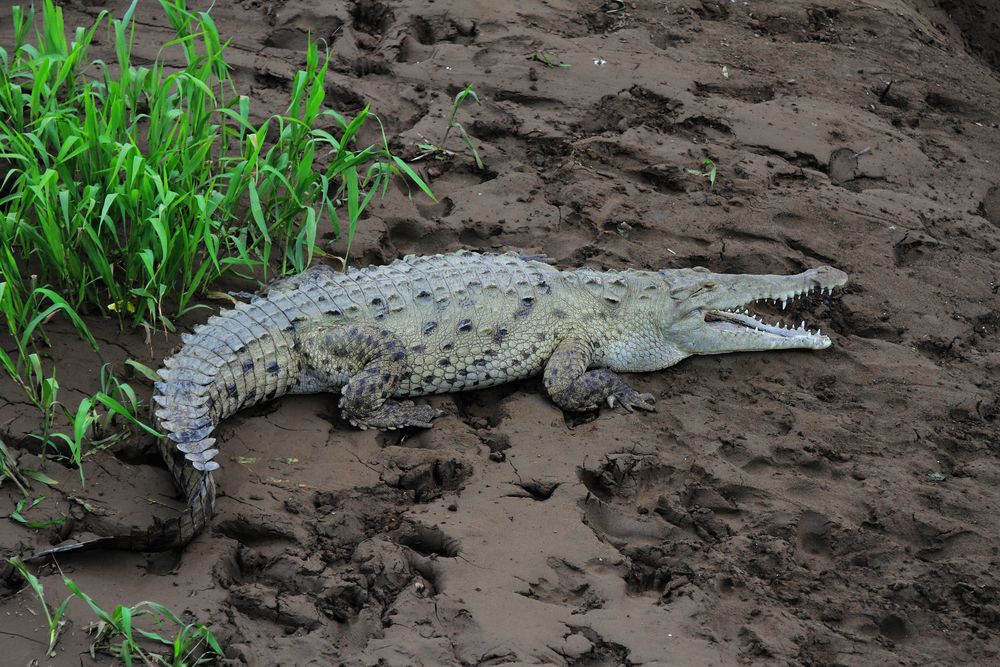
(138,186)
(120,630)
(708,170)
(135,186)
(546,59)
(439,150)
(54,616)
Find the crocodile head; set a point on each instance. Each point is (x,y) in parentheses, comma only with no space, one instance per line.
(714,313)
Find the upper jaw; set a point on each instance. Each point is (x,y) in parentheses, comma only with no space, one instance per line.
(745,290)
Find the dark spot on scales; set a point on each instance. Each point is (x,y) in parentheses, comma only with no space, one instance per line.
(273,367)
(465,326)
(418,348)
(447,345)
(231,390)
(444,361)
(399,356)
(248,366)
(527,303)
(429,327)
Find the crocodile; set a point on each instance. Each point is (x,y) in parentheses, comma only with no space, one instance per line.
(433,324)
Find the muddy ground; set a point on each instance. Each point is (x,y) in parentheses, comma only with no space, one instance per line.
(830,508)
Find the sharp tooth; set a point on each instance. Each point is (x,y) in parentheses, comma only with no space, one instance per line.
(803,325)
(819,332)
(784,302)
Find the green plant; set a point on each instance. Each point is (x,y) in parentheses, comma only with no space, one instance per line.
(439,150)
(134,183)
(708,170)
(546,59)
(54,616)
(23,505)
(117,631)
(9,469)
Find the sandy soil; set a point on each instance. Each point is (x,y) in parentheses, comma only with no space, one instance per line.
(833,508)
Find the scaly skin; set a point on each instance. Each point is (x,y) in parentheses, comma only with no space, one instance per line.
(429,325)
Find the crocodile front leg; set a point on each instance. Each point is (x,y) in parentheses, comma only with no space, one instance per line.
(574,388)
(374,360)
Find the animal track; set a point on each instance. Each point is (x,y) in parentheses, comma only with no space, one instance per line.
(631,108)
(570,588)
(434,28)
(372,16)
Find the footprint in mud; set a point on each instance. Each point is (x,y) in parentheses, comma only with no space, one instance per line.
(361,556)
(638,501)
(570,588)
(296,29)
(813,537)
(372,16)
(631,108)
(436,210)
(431,29)
(424,475)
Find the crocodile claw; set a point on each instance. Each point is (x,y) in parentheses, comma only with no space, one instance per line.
(630,399)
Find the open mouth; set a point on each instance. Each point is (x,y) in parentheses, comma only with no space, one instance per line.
(742,320)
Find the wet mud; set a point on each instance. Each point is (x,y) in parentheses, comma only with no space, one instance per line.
(822,508)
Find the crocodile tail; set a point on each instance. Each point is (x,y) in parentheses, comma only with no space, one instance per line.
(163,535)
(238,359)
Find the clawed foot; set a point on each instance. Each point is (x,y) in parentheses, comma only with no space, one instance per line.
(630,399)
(396,414)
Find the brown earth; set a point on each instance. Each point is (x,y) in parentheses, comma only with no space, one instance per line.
(834,508)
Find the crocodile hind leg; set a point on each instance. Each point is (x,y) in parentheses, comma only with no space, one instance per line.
(373,360)
(572,387)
